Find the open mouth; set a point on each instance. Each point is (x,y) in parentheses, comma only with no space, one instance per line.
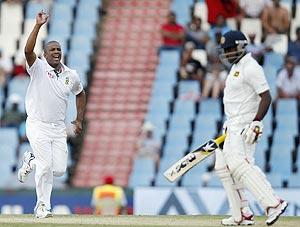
(56,57)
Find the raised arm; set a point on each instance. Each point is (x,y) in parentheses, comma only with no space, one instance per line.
(80,106)
(41,18)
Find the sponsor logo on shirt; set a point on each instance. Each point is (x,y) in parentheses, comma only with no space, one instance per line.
(50,75)
(67,81)
(236,74)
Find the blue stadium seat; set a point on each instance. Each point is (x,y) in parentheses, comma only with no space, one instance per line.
(71,110)
(185,108)
(81,44)
(62,12)
(169,57)
(34,7)
(59,27)
(281,160)
(137,179)
(18,85)
(92,3)
(180,122)
(162,90)
(195,176)
(67,2)
(214,181)
(159,122)
(82,8)
(175,146)
(7,155)
(166,73)
(210,107)
(85,27)
(192,179)
(159,105)
(294,180)
(286,107)
(144,165)
(9,137)
(160,180)
(273,59)
(185,87)
(79,63)
(275,179)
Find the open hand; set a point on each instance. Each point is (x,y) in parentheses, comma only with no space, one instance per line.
(41,18)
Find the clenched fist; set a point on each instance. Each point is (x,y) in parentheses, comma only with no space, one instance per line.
(41,18)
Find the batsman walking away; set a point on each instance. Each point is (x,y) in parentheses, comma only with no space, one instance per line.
(51,83)
(246,102)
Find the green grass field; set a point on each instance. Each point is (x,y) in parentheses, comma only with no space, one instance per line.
(130,221)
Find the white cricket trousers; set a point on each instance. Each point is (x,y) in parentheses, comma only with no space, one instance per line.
(49,144)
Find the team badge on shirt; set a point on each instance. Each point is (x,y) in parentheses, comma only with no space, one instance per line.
(67,80)
(236,74)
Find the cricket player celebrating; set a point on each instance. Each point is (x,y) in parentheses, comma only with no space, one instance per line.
(246,101)
(51,83)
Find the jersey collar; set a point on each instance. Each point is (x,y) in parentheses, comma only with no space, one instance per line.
(244,59)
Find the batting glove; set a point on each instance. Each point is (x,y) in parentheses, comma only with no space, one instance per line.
(252,132)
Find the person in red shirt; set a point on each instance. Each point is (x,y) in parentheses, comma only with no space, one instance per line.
(173,34)
(226,8)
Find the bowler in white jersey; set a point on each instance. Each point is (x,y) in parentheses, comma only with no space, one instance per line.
(51,83)
(246,101)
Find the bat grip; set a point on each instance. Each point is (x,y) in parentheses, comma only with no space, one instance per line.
(220,139)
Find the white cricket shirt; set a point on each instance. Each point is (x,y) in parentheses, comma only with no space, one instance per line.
(47,95)
(290,86)
(245,81)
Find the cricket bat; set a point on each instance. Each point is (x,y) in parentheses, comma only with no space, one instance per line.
(191,159)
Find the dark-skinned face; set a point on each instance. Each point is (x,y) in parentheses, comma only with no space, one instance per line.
(231,54)
(53,53)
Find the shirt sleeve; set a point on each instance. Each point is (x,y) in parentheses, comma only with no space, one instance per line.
(36,67)
(77,85)
(255,77)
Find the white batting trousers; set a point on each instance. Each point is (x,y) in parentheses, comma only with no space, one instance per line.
(49,144)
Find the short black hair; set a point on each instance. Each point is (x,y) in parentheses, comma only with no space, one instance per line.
(48,43)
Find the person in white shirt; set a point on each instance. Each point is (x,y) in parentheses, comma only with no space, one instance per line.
(253,8)
(246,101)
(51,83)
(288,79)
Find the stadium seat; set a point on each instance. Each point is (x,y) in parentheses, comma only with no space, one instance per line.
(275,179)
(161,181)
(294,180)
(34,7)
(9,137)
(169,57)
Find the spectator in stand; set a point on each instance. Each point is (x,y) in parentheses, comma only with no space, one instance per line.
(109,199)
(13,117)
(275,19)
(196,34)
(226,8)
(190,68)
(173,34)
(214,82)
(288,80)
(294,47)
(216,73)
(19,67)
(220,26)
(148,146)
(5,69)
(257,50)
(253,8)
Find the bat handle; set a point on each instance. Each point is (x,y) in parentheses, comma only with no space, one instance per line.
(220,139)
